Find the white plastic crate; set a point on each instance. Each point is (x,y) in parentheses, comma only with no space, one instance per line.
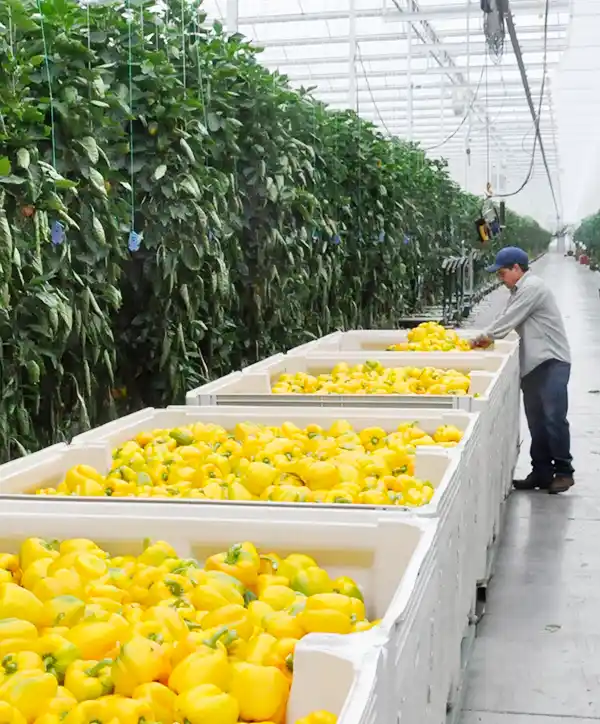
(389,559)
(378,340)
(453,472)
(253,385)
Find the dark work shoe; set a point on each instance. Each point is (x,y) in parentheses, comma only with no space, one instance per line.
(532,482)
(561,484)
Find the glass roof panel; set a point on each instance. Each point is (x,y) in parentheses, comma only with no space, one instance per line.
(422,70)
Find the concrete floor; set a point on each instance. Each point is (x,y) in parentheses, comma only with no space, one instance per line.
(536,659)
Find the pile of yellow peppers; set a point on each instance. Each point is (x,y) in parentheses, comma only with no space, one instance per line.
(86,638)
(372,378)
(432,337)
(277,464)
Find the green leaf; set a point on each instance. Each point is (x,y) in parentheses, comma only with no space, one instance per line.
(23,158)
(159,172)
(97,180)
(90,146)
(5,166)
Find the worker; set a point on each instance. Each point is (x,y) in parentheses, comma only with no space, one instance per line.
(545,362)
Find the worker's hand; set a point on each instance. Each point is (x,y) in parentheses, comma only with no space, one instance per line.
(481,342)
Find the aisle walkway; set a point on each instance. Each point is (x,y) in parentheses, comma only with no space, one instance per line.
(537,656)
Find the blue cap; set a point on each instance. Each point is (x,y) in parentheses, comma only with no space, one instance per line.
(508,257)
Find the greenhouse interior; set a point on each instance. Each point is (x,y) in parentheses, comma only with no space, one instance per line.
(321,270)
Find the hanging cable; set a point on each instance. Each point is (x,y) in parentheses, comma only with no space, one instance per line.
(538,138)
(464,118)
(535,126)
(362,65)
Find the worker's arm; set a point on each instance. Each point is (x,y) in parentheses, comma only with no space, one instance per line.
(516,313)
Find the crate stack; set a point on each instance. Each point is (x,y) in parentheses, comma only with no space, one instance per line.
(419,567)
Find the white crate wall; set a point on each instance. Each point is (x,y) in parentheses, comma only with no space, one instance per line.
(453,508)
(394,562)
(377,340)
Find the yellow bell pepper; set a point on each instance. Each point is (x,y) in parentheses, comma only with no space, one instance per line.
(29,692)
(14,646)
(259,648)
(89,679)
(215,594)
(261,691)
(35,548)
(282,655)
(283,625)
(17,628)
(173,624)
(9,563)
(48,719)
(128,711)
(348,587)
(57,653)
(35,572)
(311,581)
(64,582)
(63,611)
(269,564)
(207,665)
(140,661)
(326,620)
(10,715)
(207,704)
(156,553)
(259,611)
(95,639)
(17,602)
(289,567)
(161,700)
(233,616)
(241,561)
(265,580)
(278,597)
(62,703)
(318,717)
(92,711)
(21,661)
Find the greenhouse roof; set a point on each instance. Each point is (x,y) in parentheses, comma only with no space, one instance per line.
(423,70)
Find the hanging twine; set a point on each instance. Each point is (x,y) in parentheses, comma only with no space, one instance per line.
(134,238)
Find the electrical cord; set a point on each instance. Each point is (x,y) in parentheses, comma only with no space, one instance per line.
(366,77)
(536,125)
(465,117)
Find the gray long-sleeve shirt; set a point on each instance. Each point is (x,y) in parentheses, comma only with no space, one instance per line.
(533,313)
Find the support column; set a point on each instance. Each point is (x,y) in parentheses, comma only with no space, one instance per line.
(409,83)
(232,18)
(352,91)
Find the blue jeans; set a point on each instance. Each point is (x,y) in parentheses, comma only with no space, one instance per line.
(546,402)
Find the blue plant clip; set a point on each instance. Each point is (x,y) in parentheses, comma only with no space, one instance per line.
(315,238)
(381,237)
(57,233)
(336,239)
(406,239)
(134,241)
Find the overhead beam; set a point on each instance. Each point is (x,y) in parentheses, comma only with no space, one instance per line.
(381,37)
(457,50)
(402,86)
(437,12)
(395,72)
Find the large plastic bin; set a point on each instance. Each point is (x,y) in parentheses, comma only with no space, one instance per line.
(378,340)
(455,505)
(393,560)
